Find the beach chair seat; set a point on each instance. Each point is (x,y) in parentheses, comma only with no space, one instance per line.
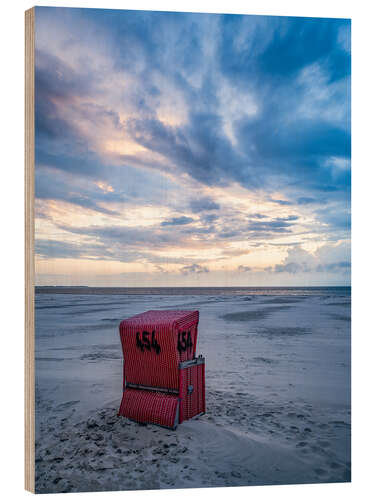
(163,381)
(150,407)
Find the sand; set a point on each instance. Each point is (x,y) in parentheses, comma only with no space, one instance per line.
(277,390)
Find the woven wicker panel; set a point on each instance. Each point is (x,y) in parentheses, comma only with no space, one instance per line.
(194,403)
(149,407)
(154,343)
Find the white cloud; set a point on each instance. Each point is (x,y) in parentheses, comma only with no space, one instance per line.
(329,258)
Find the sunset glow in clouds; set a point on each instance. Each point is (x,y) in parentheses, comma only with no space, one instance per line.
(191,149)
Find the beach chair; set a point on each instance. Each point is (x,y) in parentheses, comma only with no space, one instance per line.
(163,381)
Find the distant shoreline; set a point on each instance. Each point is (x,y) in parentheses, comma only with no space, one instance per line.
(238,290)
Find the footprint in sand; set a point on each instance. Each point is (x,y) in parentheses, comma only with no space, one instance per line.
(320,472)
(68,404)
(334,465)
(324,444)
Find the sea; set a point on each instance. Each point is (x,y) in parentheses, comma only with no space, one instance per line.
(273,290)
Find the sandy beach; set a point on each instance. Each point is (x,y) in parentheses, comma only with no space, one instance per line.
(277,391)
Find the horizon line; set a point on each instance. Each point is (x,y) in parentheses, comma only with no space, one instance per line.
(157,287)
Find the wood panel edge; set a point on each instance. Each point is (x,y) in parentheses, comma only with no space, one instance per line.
(29,251)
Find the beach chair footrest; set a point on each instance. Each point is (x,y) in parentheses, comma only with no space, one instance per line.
(150,407)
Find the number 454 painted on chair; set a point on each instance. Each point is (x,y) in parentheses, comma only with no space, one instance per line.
(144,342)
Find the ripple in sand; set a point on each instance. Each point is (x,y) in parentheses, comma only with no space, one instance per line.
(283,331)
(339,317)
(253,315)
(267,361)
(284,300)
(345,304)
(51,359)
(100,355)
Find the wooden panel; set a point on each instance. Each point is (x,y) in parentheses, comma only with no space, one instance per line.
(29,251)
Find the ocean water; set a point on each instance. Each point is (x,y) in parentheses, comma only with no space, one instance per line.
(293,290)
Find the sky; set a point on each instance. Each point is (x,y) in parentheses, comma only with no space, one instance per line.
(177,149)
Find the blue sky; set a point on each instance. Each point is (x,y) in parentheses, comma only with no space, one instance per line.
(181,149)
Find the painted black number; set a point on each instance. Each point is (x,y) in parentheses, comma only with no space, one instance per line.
(146,340)
(184,341)
(154,343)
(139,342)
(189,343)
(145,343)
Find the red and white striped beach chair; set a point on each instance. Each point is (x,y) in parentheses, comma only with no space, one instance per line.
(164,383)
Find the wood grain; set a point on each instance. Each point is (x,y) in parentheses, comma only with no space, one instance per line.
(29,251)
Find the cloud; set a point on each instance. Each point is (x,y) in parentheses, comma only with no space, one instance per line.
(305,200)
(54,249)
(199,148)
(209,218)
(125,235)
(329,258)
(234,252)
(333,253)
(336,217)
(282,202)
(291,267)
(120,241)
(258,216)
(57,249)
(278,47)
(277,225)
(50,185)
(261,52)
(203,204)
(334,266)
(121,103)
(177,221)
(244,269)
(194,268)
(56,83)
